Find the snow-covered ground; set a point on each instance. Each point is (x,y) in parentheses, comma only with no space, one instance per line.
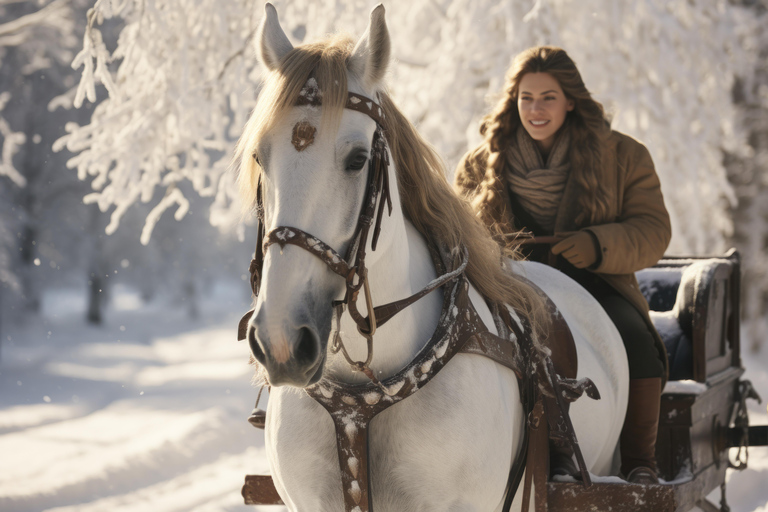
(148,412)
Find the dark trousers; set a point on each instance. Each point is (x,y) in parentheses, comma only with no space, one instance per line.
(643,356)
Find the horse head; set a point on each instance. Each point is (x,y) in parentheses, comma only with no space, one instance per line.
(309,156)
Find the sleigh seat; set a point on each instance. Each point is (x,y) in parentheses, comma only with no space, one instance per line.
(694,305)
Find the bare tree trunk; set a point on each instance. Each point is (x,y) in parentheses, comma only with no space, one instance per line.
(746,174)
(96,275)
(29,289)
(1,321)
(190,296)
(94,300)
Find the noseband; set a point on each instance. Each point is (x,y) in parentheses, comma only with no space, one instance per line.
(351,267)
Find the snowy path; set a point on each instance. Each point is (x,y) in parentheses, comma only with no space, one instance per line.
(147,413)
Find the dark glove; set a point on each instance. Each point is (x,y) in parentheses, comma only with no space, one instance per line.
(579,249)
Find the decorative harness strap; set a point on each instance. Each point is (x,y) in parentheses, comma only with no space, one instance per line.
(353,406)
(460,329)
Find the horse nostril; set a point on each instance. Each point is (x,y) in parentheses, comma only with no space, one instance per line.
(255,348)
(307,348)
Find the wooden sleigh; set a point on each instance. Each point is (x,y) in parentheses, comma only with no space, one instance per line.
(695,306)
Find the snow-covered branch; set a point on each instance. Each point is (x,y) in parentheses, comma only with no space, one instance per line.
(54,19)
(179,87)
(47,14)
(181,81)
(12,141)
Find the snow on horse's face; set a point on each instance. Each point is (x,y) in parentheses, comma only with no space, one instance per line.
(314,179)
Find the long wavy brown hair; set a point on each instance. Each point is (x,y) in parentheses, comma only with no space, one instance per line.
(428,200)
(587,122)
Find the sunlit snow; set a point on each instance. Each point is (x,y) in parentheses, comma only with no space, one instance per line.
(150,422)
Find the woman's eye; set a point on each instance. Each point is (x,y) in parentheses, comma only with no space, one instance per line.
(357,162)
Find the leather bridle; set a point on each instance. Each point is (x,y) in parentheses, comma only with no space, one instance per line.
(351,267)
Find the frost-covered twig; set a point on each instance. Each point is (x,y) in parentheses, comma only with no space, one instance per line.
(57,7)
(14,33)
(12,142)
(173,196)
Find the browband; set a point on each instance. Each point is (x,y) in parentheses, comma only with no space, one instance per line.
(355,101)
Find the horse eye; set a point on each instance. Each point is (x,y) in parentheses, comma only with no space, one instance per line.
(256,158)
(357,162)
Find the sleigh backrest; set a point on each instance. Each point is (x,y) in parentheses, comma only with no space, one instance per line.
(694,304)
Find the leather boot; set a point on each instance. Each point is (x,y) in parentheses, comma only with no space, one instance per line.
(641,425)
(561,461)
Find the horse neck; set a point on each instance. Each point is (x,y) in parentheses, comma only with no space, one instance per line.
(400,266)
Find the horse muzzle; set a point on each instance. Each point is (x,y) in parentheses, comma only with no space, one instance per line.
(291,356)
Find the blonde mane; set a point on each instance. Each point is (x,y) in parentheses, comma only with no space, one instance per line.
(428,200)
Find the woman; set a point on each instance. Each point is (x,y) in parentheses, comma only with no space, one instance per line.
(551,165)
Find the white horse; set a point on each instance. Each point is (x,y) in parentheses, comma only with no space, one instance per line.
(449,446)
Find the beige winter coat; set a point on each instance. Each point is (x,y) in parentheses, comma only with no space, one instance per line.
(639,230)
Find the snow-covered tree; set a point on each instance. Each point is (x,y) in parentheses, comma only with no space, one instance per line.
(748,172)
(38,42)
(183,77)
(33,37)
(172,110)
(44,33)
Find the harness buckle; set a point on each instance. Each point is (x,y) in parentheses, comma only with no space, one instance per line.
(355,271)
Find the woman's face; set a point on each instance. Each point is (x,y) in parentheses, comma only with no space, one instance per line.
(543,106)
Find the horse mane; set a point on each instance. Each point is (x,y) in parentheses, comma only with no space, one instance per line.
(428,199)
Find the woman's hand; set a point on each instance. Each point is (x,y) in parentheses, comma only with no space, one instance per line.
(580,249)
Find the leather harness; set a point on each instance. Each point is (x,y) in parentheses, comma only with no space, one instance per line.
(460,330)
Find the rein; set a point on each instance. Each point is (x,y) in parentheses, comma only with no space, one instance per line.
(352,266)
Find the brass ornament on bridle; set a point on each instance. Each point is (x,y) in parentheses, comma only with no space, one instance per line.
(303,135)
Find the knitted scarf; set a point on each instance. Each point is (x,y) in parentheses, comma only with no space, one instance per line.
(538,186)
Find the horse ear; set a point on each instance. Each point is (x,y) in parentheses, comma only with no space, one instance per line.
(370,57)
(272,43)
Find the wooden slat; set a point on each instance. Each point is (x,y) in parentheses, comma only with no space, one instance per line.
(679,497)
(573,497)
(260,490)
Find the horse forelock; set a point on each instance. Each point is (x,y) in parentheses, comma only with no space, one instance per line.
(326,62)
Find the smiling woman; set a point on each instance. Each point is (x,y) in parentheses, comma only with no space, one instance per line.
(551,166)
(543,107)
